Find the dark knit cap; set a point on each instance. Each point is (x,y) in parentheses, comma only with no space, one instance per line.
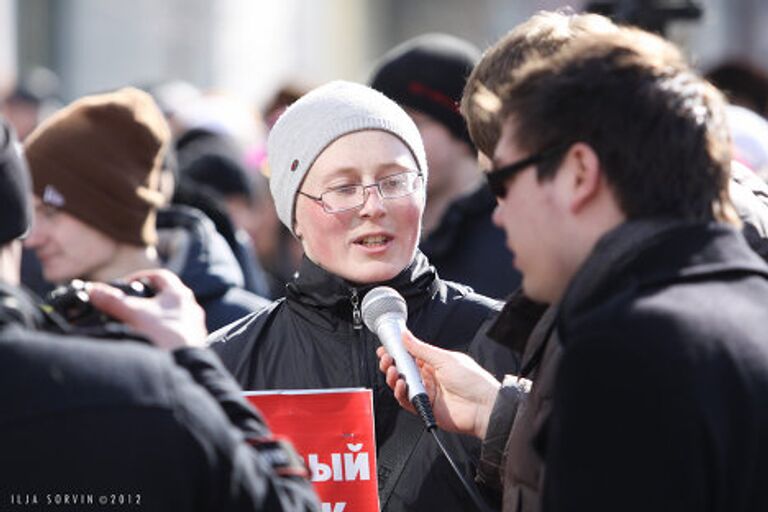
(99,159)
(428,74)
(15,189)
(223,174)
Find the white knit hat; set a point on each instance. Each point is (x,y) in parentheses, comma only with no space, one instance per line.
(317,119)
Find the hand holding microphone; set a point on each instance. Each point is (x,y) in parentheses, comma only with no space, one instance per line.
(462,392)
(385,312)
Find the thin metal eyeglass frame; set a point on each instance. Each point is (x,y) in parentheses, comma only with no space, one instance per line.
(377,184)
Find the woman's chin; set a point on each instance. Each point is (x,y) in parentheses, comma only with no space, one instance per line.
(372,272)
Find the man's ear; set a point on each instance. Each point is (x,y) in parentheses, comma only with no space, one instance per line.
(585,178)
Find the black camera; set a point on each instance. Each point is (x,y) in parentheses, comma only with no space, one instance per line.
(71,303)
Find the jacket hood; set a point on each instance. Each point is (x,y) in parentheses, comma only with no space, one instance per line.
(191,247)
(316,287)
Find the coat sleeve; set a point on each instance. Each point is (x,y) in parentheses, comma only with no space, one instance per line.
(236,343)
(248,469)
(511,395)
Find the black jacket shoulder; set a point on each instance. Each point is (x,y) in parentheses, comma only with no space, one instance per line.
(137,424)
(664,358)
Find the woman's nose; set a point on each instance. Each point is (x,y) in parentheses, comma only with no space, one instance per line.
(374,203)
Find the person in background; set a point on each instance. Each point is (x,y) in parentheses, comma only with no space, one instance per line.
(95,167)
(278,249)
(22,109)
(283,98)
(220,187)
(426,76)
(744,84)
(34,97)
(749,133)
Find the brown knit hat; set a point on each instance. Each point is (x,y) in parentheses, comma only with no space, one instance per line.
(99,159)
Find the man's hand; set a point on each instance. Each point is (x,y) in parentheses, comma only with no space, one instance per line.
(171,319)
(461,391)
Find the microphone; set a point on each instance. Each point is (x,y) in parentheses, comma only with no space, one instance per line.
(384,312)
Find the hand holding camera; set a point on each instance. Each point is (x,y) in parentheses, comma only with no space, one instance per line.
(72,302)
(152,306)
(170,319)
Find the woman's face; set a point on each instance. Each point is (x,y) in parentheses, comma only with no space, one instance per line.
(376,241)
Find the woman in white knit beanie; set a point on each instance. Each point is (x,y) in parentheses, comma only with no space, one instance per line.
(350,136)
(348,175)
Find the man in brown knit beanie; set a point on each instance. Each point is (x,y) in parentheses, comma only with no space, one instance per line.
(95,167)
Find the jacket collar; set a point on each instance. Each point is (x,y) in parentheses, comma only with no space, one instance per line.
(654,252)
(447,235)
(315,286)
(191,247)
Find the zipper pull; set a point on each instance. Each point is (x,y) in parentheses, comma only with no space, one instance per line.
(357,317)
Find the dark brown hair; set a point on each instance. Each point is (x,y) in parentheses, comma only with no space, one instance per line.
(657,128)
(541,35)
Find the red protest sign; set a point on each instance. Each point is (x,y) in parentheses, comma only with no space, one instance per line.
(333,430)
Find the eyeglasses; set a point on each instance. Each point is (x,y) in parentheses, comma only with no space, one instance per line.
(351,197)
(497,178)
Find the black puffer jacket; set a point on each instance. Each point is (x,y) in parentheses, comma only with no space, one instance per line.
(192,249)
(314,339)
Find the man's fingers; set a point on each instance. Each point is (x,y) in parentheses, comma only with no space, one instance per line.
(111,301)
(401,394)
(391,375)
(385,361)
(420,350)
(159,279)
(399,388)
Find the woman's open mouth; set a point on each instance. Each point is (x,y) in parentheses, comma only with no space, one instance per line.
(373,242)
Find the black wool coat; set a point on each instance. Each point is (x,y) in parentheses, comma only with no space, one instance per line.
(661,398)
(93,423)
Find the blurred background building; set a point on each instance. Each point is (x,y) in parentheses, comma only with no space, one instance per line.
(251,47)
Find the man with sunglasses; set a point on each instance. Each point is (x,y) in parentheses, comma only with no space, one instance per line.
(611,173)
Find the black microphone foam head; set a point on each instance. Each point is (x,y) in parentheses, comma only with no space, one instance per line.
(380,301)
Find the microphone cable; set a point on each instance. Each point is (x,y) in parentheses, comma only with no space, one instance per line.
(424,408)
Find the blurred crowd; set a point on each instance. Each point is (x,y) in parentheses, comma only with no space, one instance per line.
(214,163)
(257,213)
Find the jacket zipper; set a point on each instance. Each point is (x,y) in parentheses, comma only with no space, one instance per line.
(357,317)
(357,324)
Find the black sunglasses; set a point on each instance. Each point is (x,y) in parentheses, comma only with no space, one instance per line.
(497,178)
